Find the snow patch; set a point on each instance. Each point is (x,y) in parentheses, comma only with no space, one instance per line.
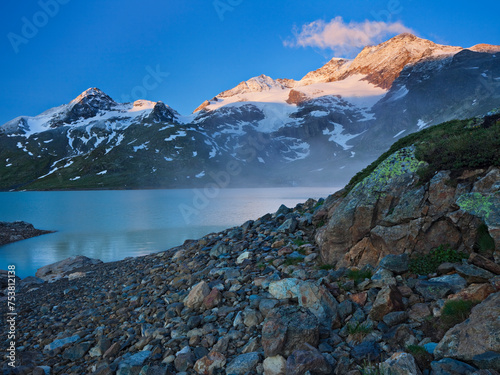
(398,134)
(200,175)
(319,113)
(337,136)
(102,172)
(144,146)
(180,133)
(421,124)
(75,178)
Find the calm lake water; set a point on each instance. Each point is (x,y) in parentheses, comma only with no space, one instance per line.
(112,225)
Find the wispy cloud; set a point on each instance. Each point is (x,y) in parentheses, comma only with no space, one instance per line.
(345,39)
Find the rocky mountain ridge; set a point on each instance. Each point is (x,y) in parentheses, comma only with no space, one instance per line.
(316,131)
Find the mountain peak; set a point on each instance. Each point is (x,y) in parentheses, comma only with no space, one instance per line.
(92,94)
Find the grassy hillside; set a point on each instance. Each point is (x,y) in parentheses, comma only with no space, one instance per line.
(455,146)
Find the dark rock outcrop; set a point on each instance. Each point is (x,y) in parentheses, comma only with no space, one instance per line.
(17,231)
(390,212)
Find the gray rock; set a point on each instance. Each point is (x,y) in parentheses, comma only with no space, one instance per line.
(197,294)
(219,249)
(306,360)
(474,274)
(368,350)
(283,210)
(395,263)
(136,359)
(252,317)
(61,342)
(289,226)
(487,360)
(450,366)
(432,290)
(400,364)
(382,278)
(478,334)
(62,268)
(286,328)
(274,365)
(184,361)
(266,305)
(395,317)
(243,363)
(455,282)
(76,351)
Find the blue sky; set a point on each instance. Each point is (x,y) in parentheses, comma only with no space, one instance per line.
(183,52)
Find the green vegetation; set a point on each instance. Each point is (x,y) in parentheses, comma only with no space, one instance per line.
(358,329)
(326,267)
(455,145)
(421,355)
(292,261)
(484,242)
(428,263)
(373,369)
(358,275)
(416,350)
(299,242)
(320,223)
(456,311)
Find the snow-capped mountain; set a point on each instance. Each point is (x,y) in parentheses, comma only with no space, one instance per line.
(317,130)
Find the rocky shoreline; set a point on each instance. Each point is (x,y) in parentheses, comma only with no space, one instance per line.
(257,299)
(17,231)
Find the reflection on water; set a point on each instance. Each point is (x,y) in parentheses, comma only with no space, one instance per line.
(112,225)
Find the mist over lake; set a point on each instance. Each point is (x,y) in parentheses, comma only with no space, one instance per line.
(113,225)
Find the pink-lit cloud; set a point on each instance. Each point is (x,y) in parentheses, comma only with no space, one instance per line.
(344,38)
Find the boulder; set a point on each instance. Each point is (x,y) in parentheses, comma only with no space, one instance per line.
(400,364)
(395,263)
(274,365)
(487,360)
(450,366)
(210,363)
(242,364)
(389,215)
(388,299)
(64,267)
(474,292)
(474,274)
(197,295)
(212,299)
(286,328)
(309,295)
(478,334)
(305,360)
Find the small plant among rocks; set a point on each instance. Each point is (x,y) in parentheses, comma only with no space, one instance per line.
(358,275)
(421,355)
(456,311)
(428,263)
(326,267)
(292,261)
(484,243)
(358,331)
(369,368)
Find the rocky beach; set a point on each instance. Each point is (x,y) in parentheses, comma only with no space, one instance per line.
(276,296)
